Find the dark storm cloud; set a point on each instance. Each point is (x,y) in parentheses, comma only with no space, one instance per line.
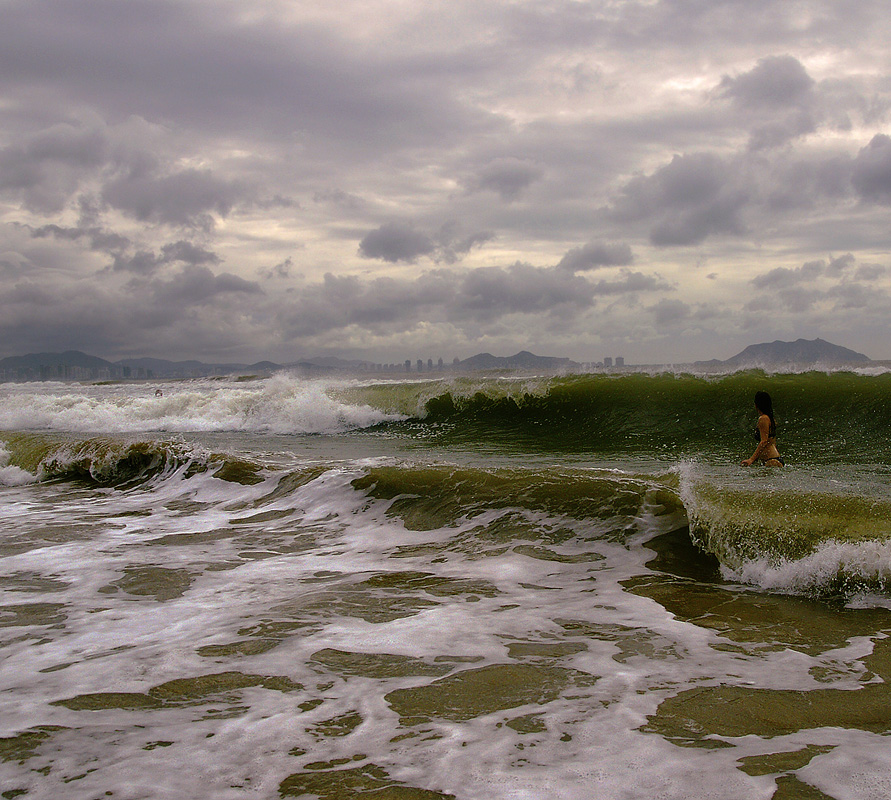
(188,253)
(146,262)
(23,165)
(194,285)
(484,296)
(871,272)
(44,169)
(139,140)
(507,177)
(521,288)
(452,244)
(396,242)
(183,198)
(99,240)
(215,66)
(401,242)
(280,270)
(597,254)
(775,82)
(872,170)
(686,201)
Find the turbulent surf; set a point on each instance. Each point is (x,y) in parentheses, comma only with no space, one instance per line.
(474,586)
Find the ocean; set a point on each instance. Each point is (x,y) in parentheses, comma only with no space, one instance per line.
(476,587)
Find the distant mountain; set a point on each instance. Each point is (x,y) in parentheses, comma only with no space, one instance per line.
(161,368)
(522,360)
(70,358)
(801,352)
(78,366)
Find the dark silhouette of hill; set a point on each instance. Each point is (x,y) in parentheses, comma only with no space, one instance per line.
(801,352)
(70,358)
(522,360)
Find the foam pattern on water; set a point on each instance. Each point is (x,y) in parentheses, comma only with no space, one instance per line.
(281,404)
(305,634)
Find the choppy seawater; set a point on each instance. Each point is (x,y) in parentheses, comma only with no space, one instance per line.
(472,588)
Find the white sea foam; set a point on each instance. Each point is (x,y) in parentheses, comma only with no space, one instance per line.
(864,562)
(12,475)
(281,404)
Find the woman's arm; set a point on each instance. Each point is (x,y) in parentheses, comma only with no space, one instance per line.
(764,433)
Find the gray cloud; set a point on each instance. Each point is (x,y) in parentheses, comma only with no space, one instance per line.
(481,296)
(194,284)
(143,143)
(686,201)
(507,177)
(597,254)
(145,262)
(521,288)
(396,242)
(782,277)
(775,82)
(99,239)
(667,312)
(872,170)
(632,282)
(182,198)
(807,273)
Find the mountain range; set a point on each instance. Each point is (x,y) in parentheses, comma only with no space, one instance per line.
(75,365)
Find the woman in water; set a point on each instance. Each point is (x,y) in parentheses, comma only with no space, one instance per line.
(766,434)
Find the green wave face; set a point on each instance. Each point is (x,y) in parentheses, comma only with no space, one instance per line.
(842,417)
(117,461)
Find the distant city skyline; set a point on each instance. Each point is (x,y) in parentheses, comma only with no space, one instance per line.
(78,366)
(665,180)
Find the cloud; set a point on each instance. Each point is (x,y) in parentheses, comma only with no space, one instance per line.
(99,240)
(396,242)
(182,198)
(193,285)
(521,288)
(430,159)
(872,170)
(782,277)
(146,262)
(45,168)
(667,312)
(481,297)
(775,82)
(632,282)
(806,274)
(507,177)
(280,270)
(402,242)
(686,201)
(597,254)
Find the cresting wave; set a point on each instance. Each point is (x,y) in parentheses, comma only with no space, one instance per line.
(767,533)
(791,534)
(820,525)
(280,405)
(664,415)
(109,461)
(668,415)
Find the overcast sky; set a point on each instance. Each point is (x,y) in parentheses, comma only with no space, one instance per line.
(667,180)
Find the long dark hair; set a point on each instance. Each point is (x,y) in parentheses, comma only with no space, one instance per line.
(765,405)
